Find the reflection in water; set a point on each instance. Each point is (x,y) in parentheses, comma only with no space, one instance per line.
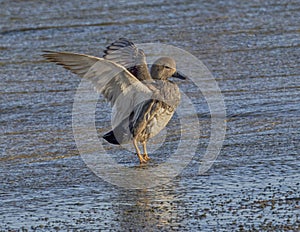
(148,209)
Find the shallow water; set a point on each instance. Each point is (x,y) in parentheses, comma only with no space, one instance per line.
(252,49)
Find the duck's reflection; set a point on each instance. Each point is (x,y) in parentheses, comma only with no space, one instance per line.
(148,209)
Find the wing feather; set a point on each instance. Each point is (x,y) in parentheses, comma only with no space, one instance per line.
(116,83)
(125,53)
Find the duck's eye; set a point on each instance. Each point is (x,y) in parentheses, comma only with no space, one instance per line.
(167,67)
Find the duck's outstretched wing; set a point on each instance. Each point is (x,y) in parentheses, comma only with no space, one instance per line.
(118,86)
(125,53)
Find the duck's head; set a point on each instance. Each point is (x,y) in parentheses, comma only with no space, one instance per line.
(165,67)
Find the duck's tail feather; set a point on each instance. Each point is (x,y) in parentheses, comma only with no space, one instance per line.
(110,137)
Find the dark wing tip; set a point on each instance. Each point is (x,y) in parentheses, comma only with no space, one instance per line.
(53,56)
(118,44)
(49,55)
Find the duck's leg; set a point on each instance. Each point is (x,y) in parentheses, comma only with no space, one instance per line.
(146,157)
(142,160)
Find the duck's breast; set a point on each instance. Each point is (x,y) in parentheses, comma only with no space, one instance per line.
(161,114)
(162,108)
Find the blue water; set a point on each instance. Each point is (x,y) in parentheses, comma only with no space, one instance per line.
(252,50)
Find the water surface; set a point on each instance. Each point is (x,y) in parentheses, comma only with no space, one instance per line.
(252,49)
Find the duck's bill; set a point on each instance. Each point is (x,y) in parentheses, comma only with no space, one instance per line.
(179,75)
